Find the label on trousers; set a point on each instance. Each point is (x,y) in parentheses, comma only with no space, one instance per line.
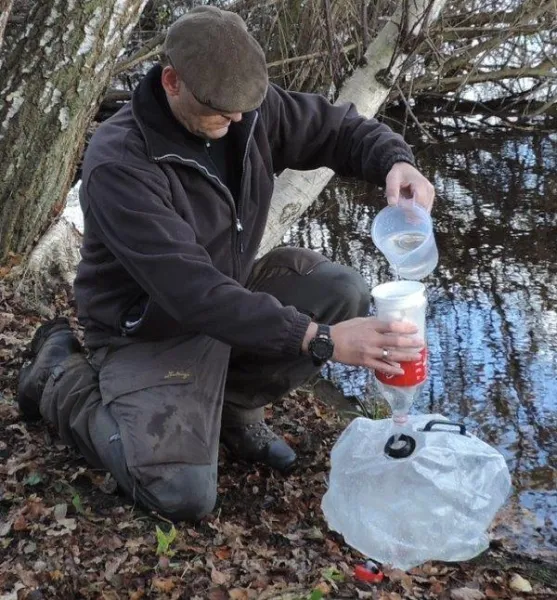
(415,372)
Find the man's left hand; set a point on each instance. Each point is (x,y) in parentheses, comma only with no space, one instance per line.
(404,180)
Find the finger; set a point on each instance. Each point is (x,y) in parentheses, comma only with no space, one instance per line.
(392,187)
(424,193)
(385,367)
(395,327)
(400,355)
(397,340)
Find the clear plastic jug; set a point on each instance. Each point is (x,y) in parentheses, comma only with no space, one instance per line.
(433,501)
(404,235)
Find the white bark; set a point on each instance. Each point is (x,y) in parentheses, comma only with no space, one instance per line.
(5,9)
(295,191)
(56,58)
(56,255)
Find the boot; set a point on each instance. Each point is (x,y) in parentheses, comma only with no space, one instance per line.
(51,345)
(256,442)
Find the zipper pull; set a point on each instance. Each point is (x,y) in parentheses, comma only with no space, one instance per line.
(239,229)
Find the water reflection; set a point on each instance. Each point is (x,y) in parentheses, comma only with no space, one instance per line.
(492,319)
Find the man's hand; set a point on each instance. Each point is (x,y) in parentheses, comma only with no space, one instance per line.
(404,180)
(361,342)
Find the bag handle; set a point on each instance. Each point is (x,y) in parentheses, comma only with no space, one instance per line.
(431,425)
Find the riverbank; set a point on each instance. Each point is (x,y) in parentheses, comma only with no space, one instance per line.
(65,532)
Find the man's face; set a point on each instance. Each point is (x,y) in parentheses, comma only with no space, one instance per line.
(197,118)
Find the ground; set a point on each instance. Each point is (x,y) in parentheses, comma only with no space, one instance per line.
(65,533)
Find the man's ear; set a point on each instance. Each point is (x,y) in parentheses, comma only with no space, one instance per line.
(170,81)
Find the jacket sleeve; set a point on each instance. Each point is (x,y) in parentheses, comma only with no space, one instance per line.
(306,131)
(134,218)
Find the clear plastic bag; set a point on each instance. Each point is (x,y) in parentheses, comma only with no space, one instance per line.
(435,504)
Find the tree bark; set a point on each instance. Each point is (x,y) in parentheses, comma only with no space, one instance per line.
(295,190)
(54,66)
(5,10)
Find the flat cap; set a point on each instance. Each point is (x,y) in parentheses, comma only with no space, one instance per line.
(219,61)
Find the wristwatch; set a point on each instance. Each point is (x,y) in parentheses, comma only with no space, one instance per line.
(321,347)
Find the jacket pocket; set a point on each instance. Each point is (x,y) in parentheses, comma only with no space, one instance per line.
(152,323)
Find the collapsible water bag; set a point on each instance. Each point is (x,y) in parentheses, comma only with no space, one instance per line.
(403,496)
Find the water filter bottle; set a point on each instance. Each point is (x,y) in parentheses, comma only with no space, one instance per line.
(402,301)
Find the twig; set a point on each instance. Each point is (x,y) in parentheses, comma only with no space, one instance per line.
(410,112)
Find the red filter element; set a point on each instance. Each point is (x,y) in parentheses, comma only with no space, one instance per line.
(415,372)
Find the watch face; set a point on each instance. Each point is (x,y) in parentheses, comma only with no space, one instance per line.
(322,349)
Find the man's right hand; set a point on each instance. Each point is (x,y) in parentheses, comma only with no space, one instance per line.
(361,342)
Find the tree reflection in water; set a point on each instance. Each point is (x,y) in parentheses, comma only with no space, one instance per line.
(492,322)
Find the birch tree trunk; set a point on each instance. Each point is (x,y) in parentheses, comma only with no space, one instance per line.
(367,88)
(56,58)
(5,10)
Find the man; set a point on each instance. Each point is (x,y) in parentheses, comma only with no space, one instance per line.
(187,336)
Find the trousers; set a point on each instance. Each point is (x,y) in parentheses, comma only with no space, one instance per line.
(150,412)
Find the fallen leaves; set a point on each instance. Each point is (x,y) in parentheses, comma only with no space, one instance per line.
(519,584)
(65,533)
(466,593)
(163,585)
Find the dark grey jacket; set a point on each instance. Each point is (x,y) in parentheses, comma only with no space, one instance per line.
(167,247)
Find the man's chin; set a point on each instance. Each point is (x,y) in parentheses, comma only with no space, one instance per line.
(216,134)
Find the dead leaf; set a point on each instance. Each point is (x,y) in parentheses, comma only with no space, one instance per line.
(34,509)
(519,584)
(494,591)
(437,588)
(112,542)
(60,511)
(165,585)
(238,594)
(5,527)
(112,565)
(20,523)
(137,595)
(390,596)
(401,576)
(323,588)
(466,593)
(218,577)
(223,553)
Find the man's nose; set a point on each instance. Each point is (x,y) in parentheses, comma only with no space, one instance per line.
(234,117)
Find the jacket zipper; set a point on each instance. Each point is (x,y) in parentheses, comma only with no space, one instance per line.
(238,228)
(237,225)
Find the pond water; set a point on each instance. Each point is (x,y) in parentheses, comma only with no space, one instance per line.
(492,316)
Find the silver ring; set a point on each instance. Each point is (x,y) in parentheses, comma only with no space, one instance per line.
(385,354)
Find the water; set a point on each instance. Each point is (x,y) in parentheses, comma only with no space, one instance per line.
(400,399)
(492,315)
(398,248)
(401,244)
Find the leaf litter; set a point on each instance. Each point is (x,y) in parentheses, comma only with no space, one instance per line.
(66,533)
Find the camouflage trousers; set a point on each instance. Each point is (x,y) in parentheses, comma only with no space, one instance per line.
(151,412)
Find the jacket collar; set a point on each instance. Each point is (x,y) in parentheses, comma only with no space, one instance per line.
(164,135)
